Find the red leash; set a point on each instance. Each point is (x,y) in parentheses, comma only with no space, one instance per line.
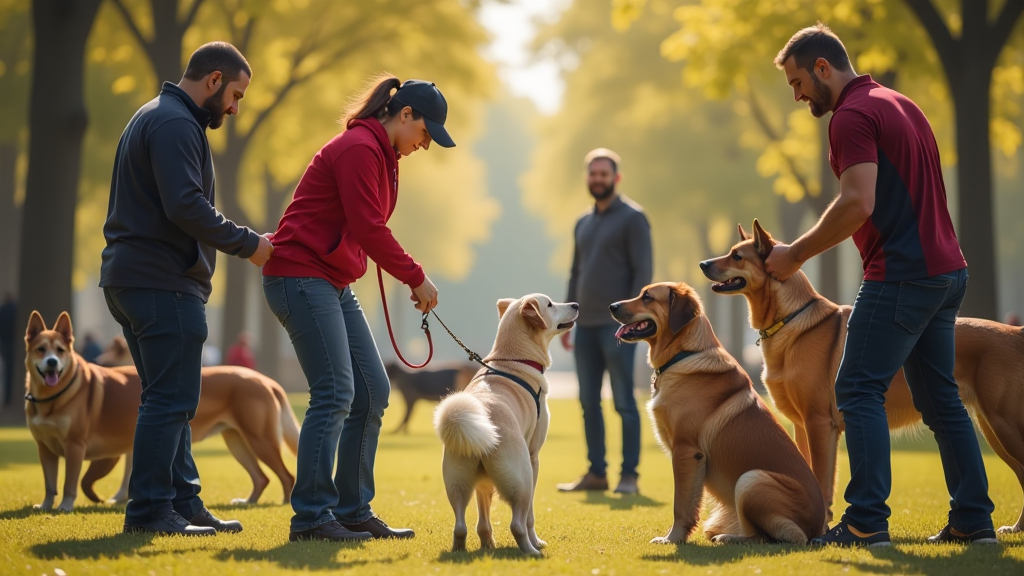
(387,317)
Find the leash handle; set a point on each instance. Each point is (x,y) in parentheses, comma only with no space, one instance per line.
(387,317)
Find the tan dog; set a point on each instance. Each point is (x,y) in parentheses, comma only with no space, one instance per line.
(493,431)
(116,354)
(802,358)
(721,437)
(82,411)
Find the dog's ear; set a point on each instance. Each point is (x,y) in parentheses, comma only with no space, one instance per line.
(531,311)
(35,326)
(681,311)
(63,327)
(763,241)
(503,305)
(743,233)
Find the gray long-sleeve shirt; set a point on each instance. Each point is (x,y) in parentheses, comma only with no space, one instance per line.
(612,260)
(162,229)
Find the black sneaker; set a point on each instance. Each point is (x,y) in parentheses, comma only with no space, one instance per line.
(379,529)
(332,531)
(169,523)
(840,535)
(204,518)
(950,535)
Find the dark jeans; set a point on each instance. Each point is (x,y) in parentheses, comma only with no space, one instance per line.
(598,350)
(348,392)
(908,324)
(165,332)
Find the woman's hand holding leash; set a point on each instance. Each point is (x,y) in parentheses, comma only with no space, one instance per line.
(425,296)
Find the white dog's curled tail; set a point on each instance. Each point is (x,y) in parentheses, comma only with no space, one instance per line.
(462,423)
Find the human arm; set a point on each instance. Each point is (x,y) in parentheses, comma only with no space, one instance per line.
(176,151)
(844,216)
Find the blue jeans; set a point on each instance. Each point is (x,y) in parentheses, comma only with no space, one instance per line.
(348,392)
(597,350)
(165,332)
(908,324)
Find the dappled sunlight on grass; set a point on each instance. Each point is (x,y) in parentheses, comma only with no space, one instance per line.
(590,533)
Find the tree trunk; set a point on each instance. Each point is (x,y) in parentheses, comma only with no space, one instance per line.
(165,49)
(236,295)
(57,122)
(974,186)
(828,280)
(10,219)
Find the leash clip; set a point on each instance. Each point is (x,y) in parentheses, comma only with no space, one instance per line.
(425,326)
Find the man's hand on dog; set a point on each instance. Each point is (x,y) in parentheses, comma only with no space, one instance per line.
(782,262)
(425,296)
(263,251)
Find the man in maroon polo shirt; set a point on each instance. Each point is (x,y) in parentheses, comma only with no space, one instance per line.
(893,202)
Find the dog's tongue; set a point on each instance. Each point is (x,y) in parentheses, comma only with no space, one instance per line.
(50,378)
(622,330)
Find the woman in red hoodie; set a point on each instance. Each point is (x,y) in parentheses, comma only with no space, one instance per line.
(337,218)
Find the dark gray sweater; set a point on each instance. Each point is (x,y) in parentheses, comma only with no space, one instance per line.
(162,229)
(612,260)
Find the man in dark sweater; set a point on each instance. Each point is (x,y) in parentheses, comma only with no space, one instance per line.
(612,261)
(162,233)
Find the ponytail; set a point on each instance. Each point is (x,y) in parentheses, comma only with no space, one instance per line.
(375,101)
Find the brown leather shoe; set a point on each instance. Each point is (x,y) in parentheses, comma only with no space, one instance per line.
(590,481)
(627,485)
(332,531)
(379,529)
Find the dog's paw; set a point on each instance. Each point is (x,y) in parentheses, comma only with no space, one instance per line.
(729,539)
(1010,530)
(239,501)
(44,507)
(663,540)
(66,506)
(540,544)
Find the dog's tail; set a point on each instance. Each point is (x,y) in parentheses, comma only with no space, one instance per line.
(97,469)
(289,425)
(462,423)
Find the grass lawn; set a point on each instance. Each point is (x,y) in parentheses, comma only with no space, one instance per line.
(593,534)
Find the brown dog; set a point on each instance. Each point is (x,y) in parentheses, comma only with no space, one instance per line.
(493,431)
(720,435)
(802,358)
(82,411)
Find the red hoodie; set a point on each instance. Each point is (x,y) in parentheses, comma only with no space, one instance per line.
(340,210)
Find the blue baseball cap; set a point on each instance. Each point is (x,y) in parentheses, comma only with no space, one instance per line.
(425,98)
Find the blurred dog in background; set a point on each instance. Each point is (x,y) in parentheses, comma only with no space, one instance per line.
(430,384)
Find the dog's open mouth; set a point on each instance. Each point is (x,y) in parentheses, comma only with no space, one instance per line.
(50,377)
(729,285)
(567,325)
(636,331)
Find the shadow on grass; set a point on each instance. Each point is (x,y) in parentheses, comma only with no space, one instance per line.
(621,501)
(303,556)
(724,554)
(31,510)
(113,546)
(990,558)
(468,557)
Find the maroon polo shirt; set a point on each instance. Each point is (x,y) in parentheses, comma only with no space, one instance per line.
(910,234)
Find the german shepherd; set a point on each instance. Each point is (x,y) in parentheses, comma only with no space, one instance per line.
(801,359)
(721,437)
(82,411)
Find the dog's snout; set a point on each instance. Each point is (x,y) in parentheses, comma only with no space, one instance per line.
(705,265)
(575,306)
(51,362)
(614,307)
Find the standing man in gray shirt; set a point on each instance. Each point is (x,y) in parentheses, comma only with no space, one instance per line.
(612,261)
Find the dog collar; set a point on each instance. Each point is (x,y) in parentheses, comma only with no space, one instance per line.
(535,365)
(774,328)
(675,360)
(35,400)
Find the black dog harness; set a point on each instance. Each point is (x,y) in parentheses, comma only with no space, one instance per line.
(522,383)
